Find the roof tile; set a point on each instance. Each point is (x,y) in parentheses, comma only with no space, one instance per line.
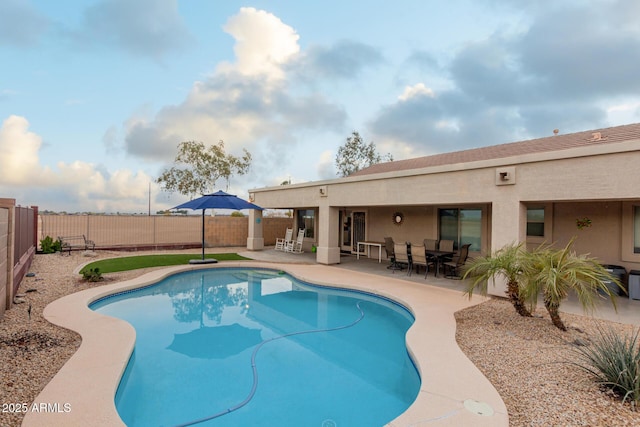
(551,143)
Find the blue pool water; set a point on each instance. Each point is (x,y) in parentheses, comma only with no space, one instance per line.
(254,347)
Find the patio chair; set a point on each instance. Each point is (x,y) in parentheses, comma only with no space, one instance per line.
(402,256)
(446,246)
(455,264)
(281,242)
(430,244)
(418,258)
(295,246)
(388,247)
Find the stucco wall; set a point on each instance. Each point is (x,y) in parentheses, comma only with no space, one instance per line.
(419,223)
(604,173)
(602,239)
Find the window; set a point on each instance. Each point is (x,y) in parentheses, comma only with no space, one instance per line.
(636,229)
(535,222)
(462,226)
(307,220)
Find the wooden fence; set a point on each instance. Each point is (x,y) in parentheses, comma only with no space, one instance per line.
(17,247)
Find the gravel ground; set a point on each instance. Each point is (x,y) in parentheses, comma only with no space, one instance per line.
(519,356)
(525,359)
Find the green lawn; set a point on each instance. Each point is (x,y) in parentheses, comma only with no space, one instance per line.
(113,265)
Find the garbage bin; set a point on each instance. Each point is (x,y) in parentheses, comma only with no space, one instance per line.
(619,273)
(634,284)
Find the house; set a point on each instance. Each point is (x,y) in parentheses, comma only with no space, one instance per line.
(584,184)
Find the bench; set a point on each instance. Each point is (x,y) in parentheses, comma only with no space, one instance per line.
(70,243)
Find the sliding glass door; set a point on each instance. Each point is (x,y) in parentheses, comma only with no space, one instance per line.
(462,226)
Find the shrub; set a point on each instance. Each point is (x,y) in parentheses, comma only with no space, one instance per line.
(614,362)
(92,275)
(49,246)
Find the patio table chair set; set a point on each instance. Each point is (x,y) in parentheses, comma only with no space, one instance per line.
(287,244)
(430,254)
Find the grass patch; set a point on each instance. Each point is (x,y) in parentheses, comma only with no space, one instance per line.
(113,265)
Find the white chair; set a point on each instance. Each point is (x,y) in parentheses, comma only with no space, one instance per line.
(296,246)
(281,243)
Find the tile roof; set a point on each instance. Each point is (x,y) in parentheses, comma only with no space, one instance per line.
(551,143)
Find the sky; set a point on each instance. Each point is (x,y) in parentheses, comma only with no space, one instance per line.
(96,95)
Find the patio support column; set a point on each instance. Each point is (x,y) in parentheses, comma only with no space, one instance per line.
(328,251)
(508,225)
(255,241)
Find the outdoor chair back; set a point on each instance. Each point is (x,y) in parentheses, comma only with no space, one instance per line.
(446,245)
(461,259)
(431,244)
(401,254)
(418,258)
(296,246)
(282,242)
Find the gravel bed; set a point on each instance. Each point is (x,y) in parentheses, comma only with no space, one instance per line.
(526,360)
(523,358)
(32,350)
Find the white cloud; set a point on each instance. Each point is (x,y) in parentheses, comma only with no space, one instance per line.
(625,112)
(263,43)
(247,102)
(76,186)
(18,151)
(416,90)
(325,165)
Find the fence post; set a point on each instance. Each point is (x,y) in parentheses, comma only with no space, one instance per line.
(35,226)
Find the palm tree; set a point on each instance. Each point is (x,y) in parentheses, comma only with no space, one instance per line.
(513,263)
(558,271)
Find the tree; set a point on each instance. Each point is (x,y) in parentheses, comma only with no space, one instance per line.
(355,155)
(511,262)
(547,271)
(198,168)
(557,271)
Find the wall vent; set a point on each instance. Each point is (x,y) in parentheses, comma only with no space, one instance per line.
(597,136)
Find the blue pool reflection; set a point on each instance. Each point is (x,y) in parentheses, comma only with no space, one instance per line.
(230,346)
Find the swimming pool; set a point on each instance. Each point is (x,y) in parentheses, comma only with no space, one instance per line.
(281,351)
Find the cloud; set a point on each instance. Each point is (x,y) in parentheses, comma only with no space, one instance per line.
(249,103)
(150,28)
(416,90)
(325,165)
(20,24)
(70,186)
(345,59)
(554,72)
(263,43)
(18,151)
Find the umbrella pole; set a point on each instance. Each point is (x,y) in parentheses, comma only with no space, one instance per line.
(203,233)
(203,261)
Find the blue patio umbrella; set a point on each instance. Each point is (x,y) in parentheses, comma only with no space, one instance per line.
(217,200)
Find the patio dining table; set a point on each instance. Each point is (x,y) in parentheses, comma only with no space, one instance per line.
(438,256)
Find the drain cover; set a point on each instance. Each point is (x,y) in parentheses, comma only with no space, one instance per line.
(479,408)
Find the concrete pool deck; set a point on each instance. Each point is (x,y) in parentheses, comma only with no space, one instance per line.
(453,391)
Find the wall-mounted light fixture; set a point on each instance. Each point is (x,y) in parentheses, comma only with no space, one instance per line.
(506,175)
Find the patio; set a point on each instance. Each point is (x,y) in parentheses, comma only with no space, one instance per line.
(628,310)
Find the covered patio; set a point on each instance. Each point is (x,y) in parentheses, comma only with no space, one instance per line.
(628,310)
(547,190)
